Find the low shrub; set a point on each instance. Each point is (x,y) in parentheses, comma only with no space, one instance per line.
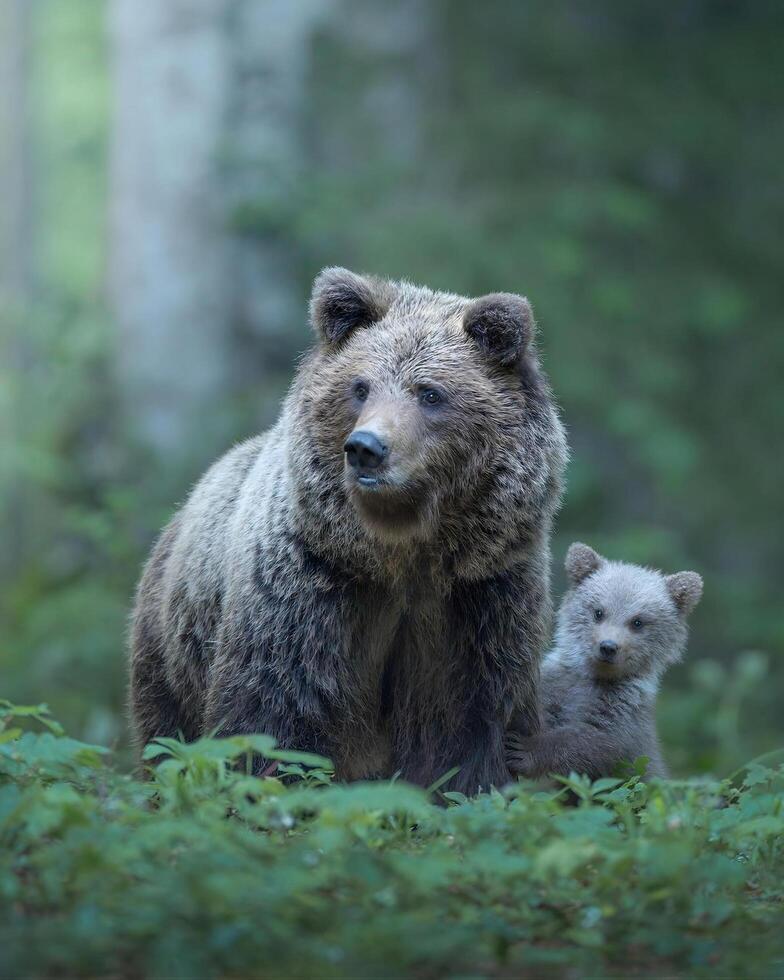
(202,870)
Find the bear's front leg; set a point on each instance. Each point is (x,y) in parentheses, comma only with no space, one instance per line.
(486,676)
(282,668)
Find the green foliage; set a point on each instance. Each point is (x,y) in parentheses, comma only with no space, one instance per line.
(202,870)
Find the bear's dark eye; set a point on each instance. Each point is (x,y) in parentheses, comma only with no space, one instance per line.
(598,614)
(430,396)
(637,623)
(361,390)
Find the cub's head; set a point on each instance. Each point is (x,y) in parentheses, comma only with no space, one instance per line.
(624,620)
(423,404)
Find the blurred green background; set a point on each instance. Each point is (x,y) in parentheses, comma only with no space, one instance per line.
(173,174)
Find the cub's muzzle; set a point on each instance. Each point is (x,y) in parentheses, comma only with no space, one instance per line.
(608,651)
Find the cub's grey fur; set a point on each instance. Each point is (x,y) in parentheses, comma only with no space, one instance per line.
(619,627)
(393,623)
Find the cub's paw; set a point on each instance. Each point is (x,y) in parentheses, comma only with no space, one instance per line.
(520,756)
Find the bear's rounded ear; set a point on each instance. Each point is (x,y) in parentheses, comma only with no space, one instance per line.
(685,589)
(341,301)
(502,324)
(581,561)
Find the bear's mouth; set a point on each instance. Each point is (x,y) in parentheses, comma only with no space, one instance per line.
(395,493)
(375,480)
(369,481)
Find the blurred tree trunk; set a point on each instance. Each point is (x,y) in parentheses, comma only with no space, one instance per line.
(208,108)
(169,263)
(376,96)
(386,59)
(16,219)
(272,47)
(16,266)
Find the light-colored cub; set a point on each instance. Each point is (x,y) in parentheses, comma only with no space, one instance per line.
(619,627)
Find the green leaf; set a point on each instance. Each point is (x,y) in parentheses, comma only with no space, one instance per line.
(442,780)
(601,786)
(455,797)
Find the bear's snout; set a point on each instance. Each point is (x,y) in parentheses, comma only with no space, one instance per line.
(365,451)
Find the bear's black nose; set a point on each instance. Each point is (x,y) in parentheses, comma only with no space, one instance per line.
(365,451)
(608,650)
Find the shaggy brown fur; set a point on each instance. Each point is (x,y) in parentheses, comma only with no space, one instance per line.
(393,622)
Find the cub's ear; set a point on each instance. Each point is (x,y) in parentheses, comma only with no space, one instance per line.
(341,301)
(502,324)
(581,561)
(685,589)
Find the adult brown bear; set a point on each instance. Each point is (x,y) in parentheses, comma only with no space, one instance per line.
(370,578)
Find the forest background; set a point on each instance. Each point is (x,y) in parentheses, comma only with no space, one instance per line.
(174,174)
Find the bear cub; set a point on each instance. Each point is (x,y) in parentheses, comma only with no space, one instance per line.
(619,627)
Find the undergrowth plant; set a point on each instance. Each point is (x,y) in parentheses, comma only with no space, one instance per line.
(200,869)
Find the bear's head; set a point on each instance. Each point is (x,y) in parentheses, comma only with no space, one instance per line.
(621,620)
(429,410)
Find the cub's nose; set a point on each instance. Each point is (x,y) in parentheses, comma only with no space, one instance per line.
(364,451)
(608,650)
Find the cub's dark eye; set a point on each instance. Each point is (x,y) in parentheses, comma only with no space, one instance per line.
(598,615)
(637,623)
(429,396)
(361,390)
